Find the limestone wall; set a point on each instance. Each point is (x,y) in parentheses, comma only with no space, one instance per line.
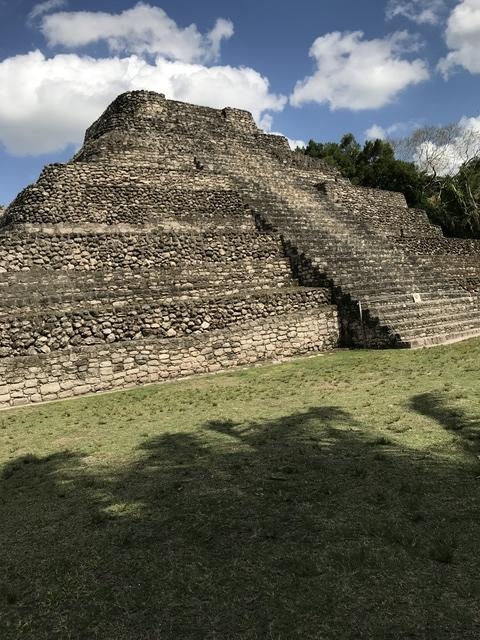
(384,211)
(56,329)
(458,259)
(118,366)
(31,290)
(442,246)
(51,250)
(145,110)
(83,193)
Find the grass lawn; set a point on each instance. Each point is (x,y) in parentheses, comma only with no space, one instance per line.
(335,497)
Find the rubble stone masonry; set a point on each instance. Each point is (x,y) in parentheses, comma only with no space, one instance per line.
(182,240)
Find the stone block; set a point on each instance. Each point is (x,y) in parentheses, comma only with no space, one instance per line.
(50,388)
(81,390)
(20,402)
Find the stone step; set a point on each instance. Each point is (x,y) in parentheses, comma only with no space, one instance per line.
(32,333)
(193,288)
(423,327)
(143,299)
(405,301)
(361,263)
(415,342)
(90,252)
(427,320)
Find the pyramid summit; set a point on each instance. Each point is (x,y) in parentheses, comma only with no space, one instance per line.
(182,239)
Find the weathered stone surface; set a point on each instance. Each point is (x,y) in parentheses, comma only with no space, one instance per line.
(183,240)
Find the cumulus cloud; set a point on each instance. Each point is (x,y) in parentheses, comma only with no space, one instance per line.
(377,132)
(463,36)
(45,7)
(354,73)
(442,160)
(144,29)
(419,11)
(437,150)
(223,30)
(48,102)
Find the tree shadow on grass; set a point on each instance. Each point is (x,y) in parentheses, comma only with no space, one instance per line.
(439,407)
(299,527)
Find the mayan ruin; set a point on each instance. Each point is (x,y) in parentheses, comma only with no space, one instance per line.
(182,239)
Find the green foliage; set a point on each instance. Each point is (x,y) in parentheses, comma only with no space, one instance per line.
(373,166)
(378,168)
(341,155)
(451,201)
(457,200)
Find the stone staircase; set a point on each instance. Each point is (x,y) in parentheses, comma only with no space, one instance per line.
(410,299)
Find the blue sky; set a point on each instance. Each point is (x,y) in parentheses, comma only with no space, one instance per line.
(308,69)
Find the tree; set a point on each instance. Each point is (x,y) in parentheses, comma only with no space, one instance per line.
(436,168)
(378,168)
(448,158)
(341,155)
(459,201)
(373,166)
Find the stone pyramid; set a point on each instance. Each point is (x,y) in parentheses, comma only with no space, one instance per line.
(182,240)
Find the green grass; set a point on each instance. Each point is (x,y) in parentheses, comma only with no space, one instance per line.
(335,497)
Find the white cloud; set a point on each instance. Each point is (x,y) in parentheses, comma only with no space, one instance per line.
(442,160)
(45,7)
(419,11)
(463,38)
(470,124)
(293,144)
(48,102)
(377,132)
(223,30)
(144,29)
(354,73)
(266,122)
(434,149)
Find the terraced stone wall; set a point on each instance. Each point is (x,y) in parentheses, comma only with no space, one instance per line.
(384,211)
(182,239)
(123,250)
(71,373)
(442,246)
(457,258)
(81,193)
(137,263)
(56,329)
